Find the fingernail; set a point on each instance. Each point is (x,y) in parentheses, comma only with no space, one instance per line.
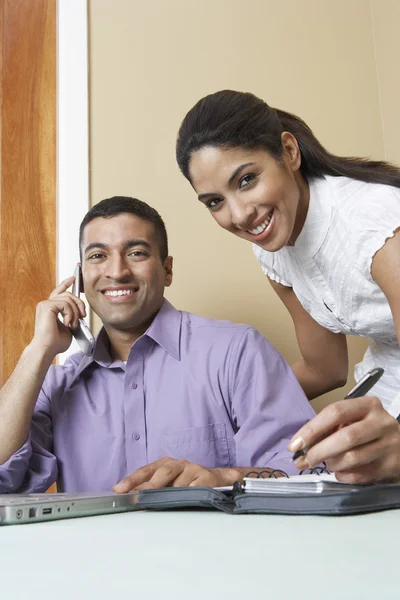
(296,444)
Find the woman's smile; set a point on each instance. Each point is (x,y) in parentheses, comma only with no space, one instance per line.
(263,231)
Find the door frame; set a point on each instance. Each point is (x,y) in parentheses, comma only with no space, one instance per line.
(73,198)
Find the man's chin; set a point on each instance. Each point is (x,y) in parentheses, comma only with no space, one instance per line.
(134,322)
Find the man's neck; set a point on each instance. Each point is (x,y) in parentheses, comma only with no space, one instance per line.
(121,341)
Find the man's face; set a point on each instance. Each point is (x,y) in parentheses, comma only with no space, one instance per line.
(123,274)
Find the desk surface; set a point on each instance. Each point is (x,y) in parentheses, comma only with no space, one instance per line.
(202,554)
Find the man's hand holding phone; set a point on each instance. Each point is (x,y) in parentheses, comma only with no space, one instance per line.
(50,332)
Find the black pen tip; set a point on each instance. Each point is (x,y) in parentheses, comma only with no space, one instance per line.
(297,455)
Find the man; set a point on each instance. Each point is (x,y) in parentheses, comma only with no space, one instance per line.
(166,398)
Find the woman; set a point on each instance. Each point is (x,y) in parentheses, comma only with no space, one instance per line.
(325,230)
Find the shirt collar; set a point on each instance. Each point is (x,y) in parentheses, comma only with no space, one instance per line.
(318,219)
(165,330)
(100,355)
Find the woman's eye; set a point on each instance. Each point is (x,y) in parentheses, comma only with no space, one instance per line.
(213,203)
(246,180)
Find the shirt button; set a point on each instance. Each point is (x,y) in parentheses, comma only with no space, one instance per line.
(134,385)
(136,436)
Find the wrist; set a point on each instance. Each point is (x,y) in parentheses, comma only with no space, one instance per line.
(38,353)
(228,476)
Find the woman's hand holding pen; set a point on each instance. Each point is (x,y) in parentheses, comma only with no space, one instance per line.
(361,442)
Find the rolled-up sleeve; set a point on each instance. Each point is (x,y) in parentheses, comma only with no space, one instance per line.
(33,468)
(268,404)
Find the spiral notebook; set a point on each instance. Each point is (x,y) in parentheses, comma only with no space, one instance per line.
(316,493)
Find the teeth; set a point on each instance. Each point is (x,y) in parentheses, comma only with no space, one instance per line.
(261,227)
(118,293)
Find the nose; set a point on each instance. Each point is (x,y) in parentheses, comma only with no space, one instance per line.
(242,213)
(117,268)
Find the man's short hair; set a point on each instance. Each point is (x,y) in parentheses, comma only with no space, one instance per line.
(111,207)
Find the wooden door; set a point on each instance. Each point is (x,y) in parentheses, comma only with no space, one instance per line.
(28,169)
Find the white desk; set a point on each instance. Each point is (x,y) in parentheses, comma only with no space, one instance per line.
(196,554)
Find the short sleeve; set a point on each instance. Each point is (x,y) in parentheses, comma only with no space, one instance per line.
(268,404)
(33,468)
(270,266)
(375,222)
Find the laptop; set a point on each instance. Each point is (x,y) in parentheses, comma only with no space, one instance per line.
(30,508)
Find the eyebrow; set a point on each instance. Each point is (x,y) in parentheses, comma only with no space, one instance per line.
(125,245)
(232,178)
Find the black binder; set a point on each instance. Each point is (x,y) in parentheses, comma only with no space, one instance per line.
(278,497)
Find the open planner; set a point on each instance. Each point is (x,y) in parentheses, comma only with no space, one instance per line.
(313,494)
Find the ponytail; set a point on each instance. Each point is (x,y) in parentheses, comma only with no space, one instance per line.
(317,162)
(229,119)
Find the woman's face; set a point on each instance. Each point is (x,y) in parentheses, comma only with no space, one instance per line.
(251,194)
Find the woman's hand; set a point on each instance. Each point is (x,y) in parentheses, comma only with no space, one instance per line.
(362,443)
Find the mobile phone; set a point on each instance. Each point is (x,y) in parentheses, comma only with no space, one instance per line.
(82,333)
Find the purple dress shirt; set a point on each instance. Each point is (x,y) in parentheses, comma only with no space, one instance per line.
(212,392)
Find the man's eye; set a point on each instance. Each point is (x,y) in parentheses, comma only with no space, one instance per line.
(213,203)
(246,180)
(95,256)
(138,253)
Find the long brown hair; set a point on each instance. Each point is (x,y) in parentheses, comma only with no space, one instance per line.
(237,119)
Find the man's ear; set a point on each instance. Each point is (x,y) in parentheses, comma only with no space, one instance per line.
(168,270)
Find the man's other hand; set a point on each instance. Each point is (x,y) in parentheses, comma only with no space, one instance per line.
(176,473)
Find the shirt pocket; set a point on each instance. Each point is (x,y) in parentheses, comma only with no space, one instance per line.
(207,445)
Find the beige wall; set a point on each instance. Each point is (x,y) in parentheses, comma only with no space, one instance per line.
(151,61)
(386,32)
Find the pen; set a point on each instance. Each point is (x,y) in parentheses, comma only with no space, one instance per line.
(362,387)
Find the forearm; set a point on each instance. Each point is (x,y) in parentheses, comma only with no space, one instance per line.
(314,382)
(18,398)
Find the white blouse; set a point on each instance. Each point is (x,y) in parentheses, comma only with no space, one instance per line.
(329,269)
